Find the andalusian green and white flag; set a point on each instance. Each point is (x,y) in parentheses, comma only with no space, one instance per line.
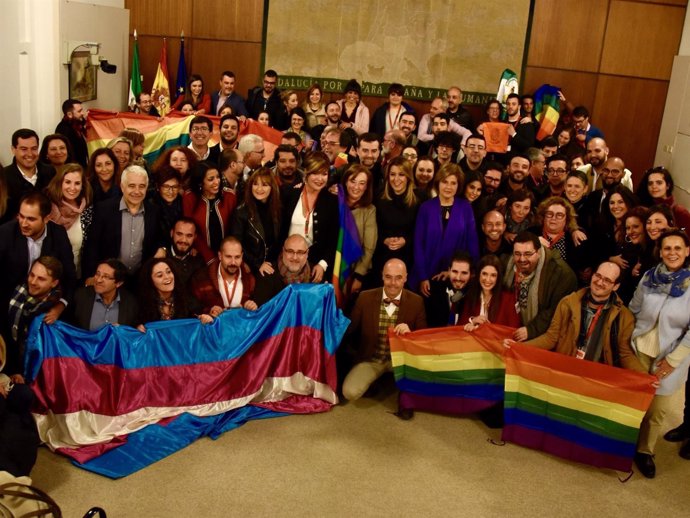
(135,78)
(507,85)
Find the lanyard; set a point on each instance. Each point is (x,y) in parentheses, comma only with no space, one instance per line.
(231,295)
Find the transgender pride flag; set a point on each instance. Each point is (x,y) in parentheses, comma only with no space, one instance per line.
(116,400)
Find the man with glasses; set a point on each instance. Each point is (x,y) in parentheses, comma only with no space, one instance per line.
(200,131)
(536,179)
(539,278)
(106,302)
(292,267)
(475,153)
(557,168)
(584,130)
(265,98)
(593,324)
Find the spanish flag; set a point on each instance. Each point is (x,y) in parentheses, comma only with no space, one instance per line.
(160,92)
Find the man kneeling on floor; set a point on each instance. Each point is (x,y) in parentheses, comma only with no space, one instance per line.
(374,313)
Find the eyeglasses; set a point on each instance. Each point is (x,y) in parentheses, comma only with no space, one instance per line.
(170,188)
(104,276)
(269,82)
(526,255)
(298,253)
(556,215)
(200,129)
(560,170)
(488,179)
(409,155)
(604,280)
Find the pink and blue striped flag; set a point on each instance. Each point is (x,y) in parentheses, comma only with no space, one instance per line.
(116,400)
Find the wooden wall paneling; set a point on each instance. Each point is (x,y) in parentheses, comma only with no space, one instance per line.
(629,112)
(160,17)
(210,58)
(231,20)
(682,3)
(641,39)
(578,87)
(567,34)
(149,55)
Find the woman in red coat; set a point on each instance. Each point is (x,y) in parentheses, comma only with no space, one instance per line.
(210,206)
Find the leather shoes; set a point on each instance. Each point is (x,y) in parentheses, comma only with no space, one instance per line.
(645,463)
(685,450)
(405,414)
(680,433)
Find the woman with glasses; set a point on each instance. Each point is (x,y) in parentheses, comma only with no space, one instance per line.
(410,154)
(168,197)
(661,335)
(210,207)
(656,188)
(256,223)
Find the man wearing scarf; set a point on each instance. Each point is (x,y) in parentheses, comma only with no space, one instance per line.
(540,279)
(39,294)
(593,324)
(293,268)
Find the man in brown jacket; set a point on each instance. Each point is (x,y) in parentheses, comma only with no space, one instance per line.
(374,312)
(593,324)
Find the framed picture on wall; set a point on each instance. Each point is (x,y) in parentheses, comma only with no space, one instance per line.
(82,77)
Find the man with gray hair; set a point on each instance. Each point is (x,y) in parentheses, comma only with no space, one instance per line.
(125,228)
(252,149)
(439,105)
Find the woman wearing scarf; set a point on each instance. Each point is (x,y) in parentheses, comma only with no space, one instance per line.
(70,194)
(661,337)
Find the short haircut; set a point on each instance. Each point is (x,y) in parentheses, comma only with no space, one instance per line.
(396,88)
(135,136)
(271,73)
(186,220)
(462,257)
(494,166)
(285,148)
(331,102)
(138,96)
(533,153)
(248,142)
(119,269)
(52,264)
(68,105)
(527,237)
(441,115)
(227,157)
(369,137)
(581,111)
(37,198)
(475,136)
(316,162)
(409,114)
(133,169)
(201,119)
(548,142)
(229,116)
(24,133)
(556,158)
(450,169)
(520,155)
(447,138)
(513,96)
(230,240)
(354,170)
(228,73)
(579,175)
(291,135)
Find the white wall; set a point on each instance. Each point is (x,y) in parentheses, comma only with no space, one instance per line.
(35,80)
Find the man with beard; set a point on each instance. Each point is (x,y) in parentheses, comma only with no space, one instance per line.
(491,240)
(106,302)
(536,179)
(265,98)
(227,282)
(518,169)
(181,251)
(443,307)
(540,279)
(231,165)
(286,172)
(292,268)
(334,147)
(408,123)
(475,152)
(333,112)
(596,156)
(557,169)
(229,132)
(521,130)
(612,173)
(393,145)
(456,110)
(73,126)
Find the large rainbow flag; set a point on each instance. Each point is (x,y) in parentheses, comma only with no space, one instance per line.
(116,400)
(449,370)
(578,410)
(161,134)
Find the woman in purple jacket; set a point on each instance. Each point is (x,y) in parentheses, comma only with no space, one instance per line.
(445,225)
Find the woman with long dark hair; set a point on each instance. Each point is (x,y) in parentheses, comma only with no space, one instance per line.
(104,175)
(656,188)
(194,94)
(56,150)
(210,207)
(256,222)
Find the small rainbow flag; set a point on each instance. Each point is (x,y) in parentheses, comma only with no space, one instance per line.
(578,410)
(348,250)
(450,370)
(546,110)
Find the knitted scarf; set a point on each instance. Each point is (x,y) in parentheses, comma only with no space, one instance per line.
(303,276)
(66,214)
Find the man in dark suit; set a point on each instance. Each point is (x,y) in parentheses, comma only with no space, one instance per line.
(25,173)
(226,96)
(374,312)
(444,303)
(139,217)
(106,302)
(27,238)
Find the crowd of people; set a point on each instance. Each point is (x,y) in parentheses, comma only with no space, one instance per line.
(546,236)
